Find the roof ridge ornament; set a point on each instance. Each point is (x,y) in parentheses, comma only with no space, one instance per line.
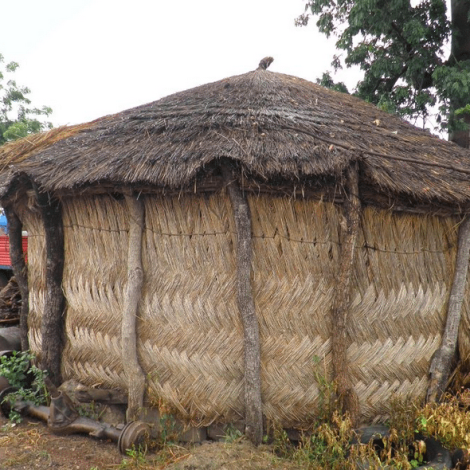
(265,63)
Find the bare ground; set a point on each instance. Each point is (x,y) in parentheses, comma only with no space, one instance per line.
(30,445)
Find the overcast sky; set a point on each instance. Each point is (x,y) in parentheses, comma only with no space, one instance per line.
(89,58)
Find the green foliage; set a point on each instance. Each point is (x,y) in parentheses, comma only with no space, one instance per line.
(400,47)
(17,117)
(136,458)
(27,378)
(232,434)
(168,429)
(15,367)
(327,81)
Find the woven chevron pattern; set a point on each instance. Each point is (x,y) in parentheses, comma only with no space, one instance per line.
(401,284)
(94,289)
(189,325)
(190,333)
(36,273)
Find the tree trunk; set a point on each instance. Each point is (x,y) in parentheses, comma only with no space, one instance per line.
(15,229)
(460,46)
(134,373)
(52,327)
(246,306)
(442,360)
(347,397)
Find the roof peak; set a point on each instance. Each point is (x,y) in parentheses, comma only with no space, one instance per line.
(265,63)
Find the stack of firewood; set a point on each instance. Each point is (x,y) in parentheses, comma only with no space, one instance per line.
(10,302)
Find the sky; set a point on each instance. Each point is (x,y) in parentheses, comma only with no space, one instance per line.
(89,58)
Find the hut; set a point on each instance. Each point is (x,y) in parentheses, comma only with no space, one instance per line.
(223,251)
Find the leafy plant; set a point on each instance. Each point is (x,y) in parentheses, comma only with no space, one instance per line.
(232,434)
(136,458)
(27,378)
(15,367)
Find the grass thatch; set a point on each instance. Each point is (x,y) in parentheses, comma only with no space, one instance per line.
(277,126)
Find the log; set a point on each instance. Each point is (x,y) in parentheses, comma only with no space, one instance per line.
(246,306)
(15,229)
(346,396)
(132,369)
(440,365)
(53,320)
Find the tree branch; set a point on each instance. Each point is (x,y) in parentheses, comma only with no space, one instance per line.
(253,401)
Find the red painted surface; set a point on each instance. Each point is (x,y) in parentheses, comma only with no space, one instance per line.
(5,249)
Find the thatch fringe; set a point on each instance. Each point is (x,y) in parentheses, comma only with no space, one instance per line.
(440,368)
(130,361)
(246,306)
(18,263)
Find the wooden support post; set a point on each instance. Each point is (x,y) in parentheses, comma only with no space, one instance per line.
(15,229)
(442,360)
(52,323)
(246,305)
(134,373)
(347,397)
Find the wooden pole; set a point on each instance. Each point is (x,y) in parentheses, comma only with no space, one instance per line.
(52,323)
(346,395)
(130,361)
(442,360)
(246,306)
(15,229)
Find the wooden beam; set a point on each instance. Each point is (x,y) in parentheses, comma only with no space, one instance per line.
(20,270)
(346,395)
(132,369)
(442,360)
(246,306)
(52,321)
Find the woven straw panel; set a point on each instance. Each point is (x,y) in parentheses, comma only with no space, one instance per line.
(191,337)
(296,251)
(401,287)
(32,223)
(401,284)
(190,331)
(95,272)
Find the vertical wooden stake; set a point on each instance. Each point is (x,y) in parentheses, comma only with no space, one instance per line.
(347,397)
(52,327)
(441,362)
(246,305)
(130,361)
(15,229)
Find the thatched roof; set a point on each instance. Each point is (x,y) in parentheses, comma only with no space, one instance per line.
(278,127)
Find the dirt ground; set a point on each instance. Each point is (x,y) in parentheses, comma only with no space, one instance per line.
(30,445)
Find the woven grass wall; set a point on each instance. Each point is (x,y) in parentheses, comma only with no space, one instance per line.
(32,223)
(402,278)
(191,337)
(95,272)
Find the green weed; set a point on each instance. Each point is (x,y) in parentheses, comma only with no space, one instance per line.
(26,377)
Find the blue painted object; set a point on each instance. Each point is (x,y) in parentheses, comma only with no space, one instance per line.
(3,224)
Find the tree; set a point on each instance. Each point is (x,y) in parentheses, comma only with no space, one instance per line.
(401,45)
(17,117)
